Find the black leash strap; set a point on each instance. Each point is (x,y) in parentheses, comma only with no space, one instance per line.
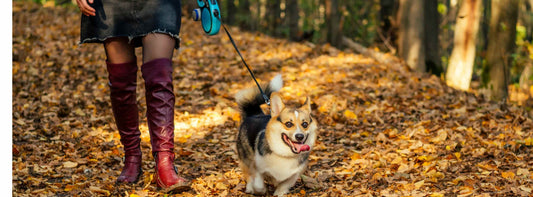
(267,100)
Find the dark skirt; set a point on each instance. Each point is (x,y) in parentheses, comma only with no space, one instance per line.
(131,18)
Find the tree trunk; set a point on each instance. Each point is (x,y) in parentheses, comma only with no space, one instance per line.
(461,62)
(334,32)
(292,14)
(273,16)
(526,79)
(450,17)
(230,12)
(244,17)
(502,35)
(431,37)
(528,21)
(485,24)
(411,34)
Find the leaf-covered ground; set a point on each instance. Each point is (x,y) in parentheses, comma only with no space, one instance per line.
(383,130)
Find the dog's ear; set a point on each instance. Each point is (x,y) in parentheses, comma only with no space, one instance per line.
(276,104)
(307,105)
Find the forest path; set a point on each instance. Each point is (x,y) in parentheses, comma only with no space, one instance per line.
(383,130)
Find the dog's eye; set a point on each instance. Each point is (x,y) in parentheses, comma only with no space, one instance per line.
(289,124)
(305,124)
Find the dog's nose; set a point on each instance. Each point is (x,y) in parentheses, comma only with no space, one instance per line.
(299,137)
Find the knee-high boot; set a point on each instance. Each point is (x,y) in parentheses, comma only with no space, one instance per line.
(123,86)
(160,100)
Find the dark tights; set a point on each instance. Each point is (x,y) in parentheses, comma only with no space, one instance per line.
(155,46)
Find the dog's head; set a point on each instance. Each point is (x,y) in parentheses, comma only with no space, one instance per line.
(290,131)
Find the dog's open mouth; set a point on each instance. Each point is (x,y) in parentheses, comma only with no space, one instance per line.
(296,147)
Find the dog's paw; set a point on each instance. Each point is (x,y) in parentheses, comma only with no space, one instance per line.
(260,191)
(249,191)
(280,192)
(249,188)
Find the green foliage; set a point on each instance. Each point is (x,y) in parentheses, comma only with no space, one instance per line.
(361,21)
(520,34)
(523,54)
(442,9)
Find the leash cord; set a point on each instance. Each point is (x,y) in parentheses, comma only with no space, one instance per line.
(267,100)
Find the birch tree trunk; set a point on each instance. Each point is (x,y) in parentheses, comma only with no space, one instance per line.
(461,64)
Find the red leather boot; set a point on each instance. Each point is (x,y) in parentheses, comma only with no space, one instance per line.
(123,86)
(160,100)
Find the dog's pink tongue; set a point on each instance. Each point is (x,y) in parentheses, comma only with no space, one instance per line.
(302,147)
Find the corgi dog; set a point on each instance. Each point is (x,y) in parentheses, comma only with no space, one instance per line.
(273,147)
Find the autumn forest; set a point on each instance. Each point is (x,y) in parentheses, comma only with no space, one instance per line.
(412,98)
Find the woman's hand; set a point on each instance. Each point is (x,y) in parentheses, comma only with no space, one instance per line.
(85,8)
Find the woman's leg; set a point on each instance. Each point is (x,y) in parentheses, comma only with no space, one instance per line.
(157,73)
(118,50)
(122,68)
(157,46)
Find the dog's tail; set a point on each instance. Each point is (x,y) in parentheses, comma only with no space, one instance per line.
(250,99)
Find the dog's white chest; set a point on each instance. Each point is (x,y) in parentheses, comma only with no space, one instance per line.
(280,168)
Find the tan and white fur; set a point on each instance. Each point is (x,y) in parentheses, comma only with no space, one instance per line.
(273,147)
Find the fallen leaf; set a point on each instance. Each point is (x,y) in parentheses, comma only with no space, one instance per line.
(441,136)
(69,164)
(350,115)
(508,175)
(419,184)
(98,190)
(525,188)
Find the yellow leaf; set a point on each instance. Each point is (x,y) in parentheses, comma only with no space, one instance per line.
(356,156)
(425,158)
(488,166)
(182,140)
(529,142)
(508,175)
(436,195)
(349,114)
(457,155)
(323,109)
(436,175)
(419,184)
(134,195)
(69,188)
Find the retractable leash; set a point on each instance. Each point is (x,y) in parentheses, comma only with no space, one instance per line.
(209,14)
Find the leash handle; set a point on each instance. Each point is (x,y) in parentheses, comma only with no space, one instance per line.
(267,100)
